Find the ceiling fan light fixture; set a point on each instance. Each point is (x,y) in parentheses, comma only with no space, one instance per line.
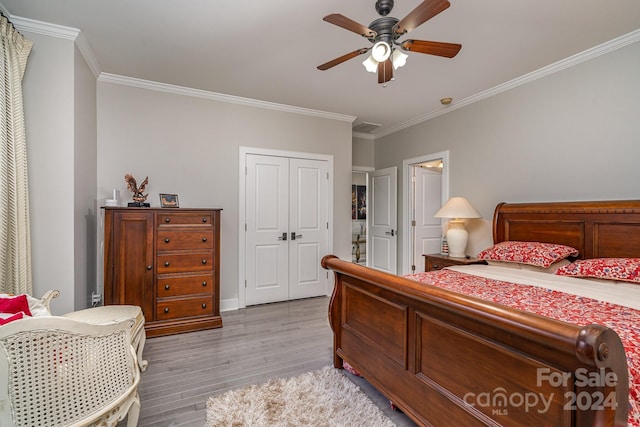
(381,51)
(398,59)
(370,64)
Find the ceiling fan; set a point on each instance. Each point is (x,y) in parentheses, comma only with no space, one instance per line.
(384,33)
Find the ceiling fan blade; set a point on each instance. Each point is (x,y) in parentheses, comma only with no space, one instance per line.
(425,11)
(385,71)
(343,58)
(349,24)
(448,50)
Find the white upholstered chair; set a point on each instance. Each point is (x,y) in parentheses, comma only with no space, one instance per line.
(56,371)
(117,313)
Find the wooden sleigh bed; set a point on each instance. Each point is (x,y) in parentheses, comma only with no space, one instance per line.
(429,349)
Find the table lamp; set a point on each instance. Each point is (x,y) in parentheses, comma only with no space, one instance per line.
(457,208)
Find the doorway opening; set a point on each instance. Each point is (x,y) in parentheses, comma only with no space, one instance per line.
(425,189)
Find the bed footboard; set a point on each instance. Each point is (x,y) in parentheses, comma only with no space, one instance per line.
(448,359)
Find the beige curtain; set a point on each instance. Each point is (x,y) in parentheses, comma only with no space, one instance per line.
(15,237)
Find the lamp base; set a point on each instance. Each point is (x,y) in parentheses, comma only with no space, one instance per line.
(457,238)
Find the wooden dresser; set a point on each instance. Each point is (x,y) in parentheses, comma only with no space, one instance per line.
(167,261)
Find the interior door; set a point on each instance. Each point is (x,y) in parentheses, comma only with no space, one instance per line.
(287,228)
(267,216)
(428,199)
(308,215)
(383,219)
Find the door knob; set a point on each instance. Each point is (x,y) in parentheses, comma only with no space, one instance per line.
(295,236)
(392,233)
(283,237)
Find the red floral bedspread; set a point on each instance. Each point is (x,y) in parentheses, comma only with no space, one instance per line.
(556,305)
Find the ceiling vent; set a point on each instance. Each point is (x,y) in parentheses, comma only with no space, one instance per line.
(366,127)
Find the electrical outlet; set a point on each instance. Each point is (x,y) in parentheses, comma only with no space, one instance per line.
(95,298)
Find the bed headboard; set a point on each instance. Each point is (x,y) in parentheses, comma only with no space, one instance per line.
(600,229)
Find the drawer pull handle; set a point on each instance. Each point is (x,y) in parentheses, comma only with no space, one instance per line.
(204,305)
(436,266)
(149,267)
(166,287)
(204,239)
(204,283)
(204,219)
(166,309)
(204,261)
(166,263)
(167,240)
(167,219)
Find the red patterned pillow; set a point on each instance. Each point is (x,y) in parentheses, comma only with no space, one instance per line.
(13,305)
(532,253)
(624,269)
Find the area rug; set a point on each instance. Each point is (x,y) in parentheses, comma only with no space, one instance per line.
(319,398)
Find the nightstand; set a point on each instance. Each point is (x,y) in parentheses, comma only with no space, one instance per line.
(437,262)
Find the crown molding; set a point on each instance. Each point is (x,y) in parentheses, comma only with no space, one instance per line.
(198,93)
(74,34)
(579,58)
(61,32)
(87,53)
(44,28)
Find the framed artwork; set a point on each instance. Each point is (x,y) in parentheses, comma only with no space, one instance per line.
(354,202)
(361,194)
(169,201)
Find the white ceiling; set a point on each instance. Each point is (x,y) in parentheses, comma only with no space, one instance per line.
(269,50)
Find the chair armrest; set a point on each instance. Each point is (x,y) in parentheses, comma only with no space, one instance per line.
(48,296)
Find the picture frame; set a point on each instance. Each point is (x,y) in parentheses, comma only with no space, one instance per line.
(169,200)
(354,203)
(361,194)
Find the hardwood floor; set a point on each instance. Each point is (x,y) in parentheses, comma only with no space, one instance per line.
(255,344)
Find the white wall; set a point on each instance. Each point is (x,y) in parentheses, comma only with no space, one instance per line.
(363,152)
(84,186)
(190,146)
(573,135)
(48,88)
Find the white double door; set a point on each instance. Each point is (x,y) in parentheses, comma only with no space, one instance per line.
(286,228)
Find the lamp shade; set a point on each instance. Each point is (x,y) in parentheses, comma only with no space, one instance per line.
(370,64)
(381,51)
(398,59)
(457,207)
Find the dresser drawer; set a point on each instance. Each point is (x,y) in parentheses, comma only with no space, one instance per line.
(434,262)
(184,285)
(438,264)
(169,239)
(186,218)
(186,307)
(184,263)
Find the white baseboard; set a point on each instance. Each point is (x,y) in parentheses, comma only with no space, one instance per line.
(229,304)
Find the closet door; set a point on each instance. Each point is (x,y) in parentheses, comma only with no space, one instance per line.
(308,189)
(286,232)
(267,235)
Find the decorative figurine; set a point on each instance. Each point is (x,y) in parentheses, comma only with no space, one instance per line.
(138,192)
